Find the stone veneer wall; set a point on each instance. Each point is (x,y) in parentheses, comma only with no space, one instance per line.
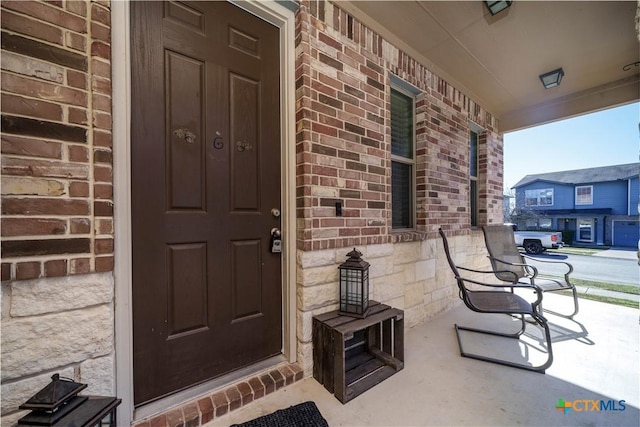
(343,141)
(57,198)
(414,277)
(46,331)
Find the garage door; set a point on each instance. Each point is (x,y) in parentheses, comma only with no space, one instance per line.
(626,233)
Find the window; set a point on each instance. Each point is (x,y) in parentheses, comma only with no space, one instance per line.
(545,223)
(584,195)
(542,197)
(402,159)
(538,223)
(473,176)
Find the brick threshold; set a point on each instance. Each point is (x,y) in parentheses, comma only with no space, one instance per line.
(205,408)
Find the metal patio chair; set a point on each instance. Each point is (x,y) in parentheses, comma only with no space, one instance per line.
(483,297)
(504,255)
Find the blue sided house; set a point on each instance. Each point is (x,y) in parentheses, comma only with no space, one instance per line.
(597,206)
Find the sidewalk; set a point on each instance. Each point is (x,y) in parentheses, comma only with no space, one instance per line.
(622,253)
(607,293)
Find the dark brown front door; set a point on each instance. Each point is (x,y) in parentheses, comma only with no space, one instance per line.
(205,164)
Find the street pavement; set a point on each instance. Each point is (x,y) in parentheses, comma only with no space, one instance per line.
(622,253)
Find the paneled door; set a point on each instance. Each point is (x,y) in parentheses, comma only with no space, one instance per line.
(206,183)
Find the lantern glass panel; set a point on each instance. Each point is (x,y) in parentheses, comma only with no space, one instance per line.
(354,291)
(354,285)
(365,289)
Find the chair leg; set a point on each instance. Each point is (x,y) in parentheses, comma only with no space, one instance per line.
(499,334)
(540,320)
(574,292)
(575,302)
(547,337)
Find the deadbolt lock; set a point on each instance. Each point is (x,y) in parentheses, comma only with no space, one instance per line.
(276,241)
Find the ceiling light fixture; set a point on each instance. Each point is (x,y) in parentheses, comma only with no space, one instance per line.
(552,78)
(497,6)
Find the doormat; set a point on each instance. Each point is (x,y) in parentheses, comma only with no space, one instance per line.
(302,415)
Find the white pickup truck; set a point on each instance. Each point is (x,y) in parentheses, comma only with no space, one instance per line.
(536,242)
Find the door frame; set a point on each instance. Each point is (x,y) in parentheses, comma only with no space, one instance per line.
(592,226)
(282,15)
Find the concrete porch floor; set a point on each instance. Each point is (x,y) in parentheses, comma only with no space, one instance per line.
(596,357)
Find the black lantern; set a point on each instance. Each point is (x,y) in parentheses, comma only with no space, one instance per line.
(58,404)
(354,285)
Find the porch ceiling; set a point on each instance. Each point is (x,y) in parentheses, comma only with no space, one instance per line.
(497,59)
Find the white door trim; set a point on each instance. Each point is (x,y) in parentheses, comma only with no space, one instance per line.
(277,14)
(121,116)
(591,224)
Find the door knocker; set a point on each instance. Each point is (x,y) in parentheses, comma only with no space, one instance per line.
(242,146)
(185,134)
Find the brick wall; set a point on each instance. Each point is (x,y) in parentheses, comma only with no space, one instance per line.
(490,185)
(57,210)
(343,78)
(343,138)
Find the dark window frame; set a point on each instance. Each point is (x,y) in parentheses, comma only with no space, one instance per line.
(474,172)
(407,161)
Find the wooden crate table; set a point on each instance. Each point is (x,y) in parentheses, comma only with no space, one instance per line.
(351,355)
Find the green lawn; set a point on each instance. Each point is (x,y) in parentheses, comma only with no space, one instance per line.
(609,300)
(627,289)
(624,289)
(574,250)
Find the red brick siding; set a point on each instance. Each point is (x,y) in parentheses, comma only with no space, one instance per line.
(206,408)
(490,183)
(57,186)
(343,138)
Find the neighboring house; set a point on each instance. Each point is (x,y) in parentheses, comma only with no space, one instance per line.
(599,205)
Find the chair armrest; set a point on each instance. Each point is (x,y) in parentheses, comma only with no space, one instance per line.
(506,286)
(515,276)
(551,261)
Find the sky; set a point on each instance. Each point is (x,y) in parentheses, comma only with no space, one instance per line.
(609,137)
